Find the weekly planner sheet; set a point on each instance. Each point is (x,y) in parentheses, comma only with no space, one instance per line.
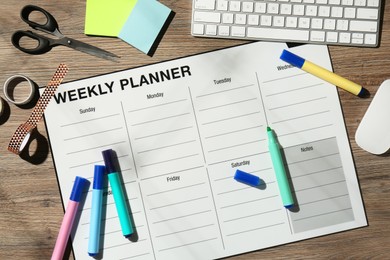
(180,129)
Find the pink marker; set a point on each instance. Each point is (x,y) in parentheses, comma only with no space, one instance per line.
(70,214)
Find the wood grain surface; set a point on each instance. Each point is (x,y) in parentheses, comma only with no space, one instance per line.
(31,209)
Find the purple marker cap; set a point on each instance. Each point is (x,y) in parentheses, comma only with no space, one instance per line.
(78,187)
(98,177)
(108,161)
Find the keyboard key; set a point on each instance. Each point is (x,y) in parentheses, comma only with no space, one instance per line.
(238,31)
(205,4)
(330,24)
(370,39)
(240,19)
(253,19)
(211,29)
(360,2)
(292,22)
(304,22)
(260,7)
(285,9)
(357,38)
(345,37)
(336,12)
(207,17)
(198,29)
(278,21)
(223,30)
(373,3)
(227,18)
(324,11)
(235,6)
(317,36)
(298,10)
(342,25)
(332,37)
(273,8)
(350,12)
(311,10)
(266,20)
(247,7)
(282,34)
(222,5)
(365,13)
(347,2)
(363,26)
(316,23)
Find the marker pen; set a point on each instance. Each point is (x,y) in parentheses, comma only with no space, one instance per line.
(70,214)
(280,170)
(96,210)
(324,74)
(119,197)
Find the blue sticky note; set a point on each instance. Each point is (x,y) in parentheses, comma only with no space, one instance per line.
(144,24)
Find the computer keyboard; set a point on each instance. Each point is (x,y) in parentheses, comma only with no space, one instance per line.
(333,22)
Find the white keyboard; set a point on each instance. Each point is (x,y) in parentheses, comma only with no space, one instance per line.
(333,22)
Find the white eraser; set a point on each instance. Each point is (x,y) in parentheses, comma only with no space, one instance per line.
(373,133)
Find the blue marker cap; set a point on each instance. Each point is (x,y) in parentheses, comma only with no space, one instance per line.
(78,187)
(293,59)
(247,178)
(98,177)
(107,156)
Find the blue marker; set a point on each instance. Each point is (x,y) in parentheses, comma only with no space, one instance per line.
(96,211)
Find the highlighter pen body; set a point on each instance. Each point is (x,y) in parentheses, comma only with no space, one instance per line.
(280,170)
(324,74)
(96,210)
(69,217)
(119,197)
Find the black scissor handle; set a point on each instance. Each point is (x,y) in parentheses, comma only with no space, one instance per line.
(44,44)
(51,24)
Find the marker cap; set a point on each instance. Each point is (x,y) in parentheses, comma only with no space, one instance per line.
(78,187)
(98,177)
(293,59)
(108,161)
(247,178)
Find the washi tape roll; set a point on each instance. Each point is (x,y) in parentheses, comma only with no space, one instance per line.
(19,97)
(22,134)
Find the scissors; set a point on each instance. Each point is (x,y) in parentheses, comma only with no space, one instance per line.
(45,44)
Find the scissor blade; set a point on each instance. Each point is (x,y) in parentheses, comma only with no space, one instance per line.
(89,49)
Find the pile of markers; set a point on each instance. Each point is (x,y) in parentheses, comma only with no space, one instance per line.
(79,186)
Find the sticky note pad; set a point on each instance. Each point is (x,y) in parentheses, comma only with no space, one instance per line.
(144,24)
(105,17)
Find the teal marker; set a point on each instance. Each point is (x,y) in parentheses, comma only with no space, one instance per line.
(119,197)
(280,170)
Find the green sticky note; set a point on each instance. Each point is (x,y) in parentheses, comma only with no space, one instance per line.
(106,18)
(144,24)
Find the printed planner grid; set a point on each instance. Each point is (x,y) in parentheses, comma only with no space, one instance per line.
(179,142)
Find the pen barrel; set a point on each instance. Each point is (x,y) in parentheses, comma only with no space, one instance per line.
(121,204)
(65,230)
(95,222)
(280,172)
(331,77)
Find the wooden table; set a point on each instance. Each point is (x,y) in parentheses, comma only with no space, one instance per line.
(30,205)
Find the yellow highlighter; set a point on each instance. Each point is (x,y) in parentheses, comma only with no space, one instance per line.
(324,74)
